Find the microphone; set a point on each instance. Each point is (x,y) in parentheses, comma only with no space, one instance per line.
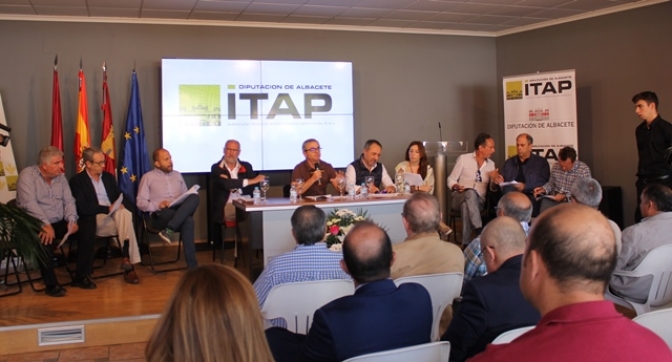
(319,180)
(440,134)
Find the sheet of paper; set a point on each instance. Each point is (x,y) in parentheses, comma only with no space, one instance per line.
(65,237)
(413,179)
(116,205)
(192,191)
(507,183)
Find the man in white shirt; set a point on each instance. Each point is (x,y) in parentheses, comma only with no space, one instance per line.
(469,182)
(231,177)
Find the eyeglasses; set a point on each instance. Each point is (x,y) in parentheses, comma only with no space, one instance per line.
(101,163)
(478,176)
(313,149)
(232,149)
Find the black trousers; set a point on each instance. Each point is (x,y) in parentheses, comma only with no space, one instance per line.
(84,251)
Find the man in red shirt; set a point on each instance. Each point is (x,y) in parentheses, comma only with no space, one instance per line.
(568,261)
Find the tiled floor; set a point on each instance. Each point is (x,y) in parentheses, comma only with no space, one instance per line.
(132,352)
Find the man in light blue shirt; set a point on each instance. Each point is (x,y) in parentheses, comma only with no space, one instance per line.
(309,261)
(43,191)
(158,188)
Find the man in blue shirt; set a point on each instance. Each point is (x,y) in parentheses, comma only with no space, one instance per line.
(527,169)
(309,261)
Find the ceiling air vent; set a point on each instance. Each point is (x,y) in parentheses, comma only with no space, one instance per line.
(60,335)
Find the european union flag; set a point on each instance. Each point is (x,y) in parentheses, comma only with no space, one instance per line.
(135,162)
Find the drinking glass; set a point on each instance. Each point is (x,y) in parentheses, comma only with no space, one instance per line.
(368,180)
(341,185)
(299,186)
(265,185)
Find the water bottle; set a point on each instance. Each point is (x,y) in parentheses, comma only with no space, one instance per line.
(256,196)
(351,192)
(407,188)
(293,195)
(363,191)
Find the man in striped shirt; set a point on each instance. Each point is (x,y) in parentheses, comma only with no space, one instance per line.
(309,261)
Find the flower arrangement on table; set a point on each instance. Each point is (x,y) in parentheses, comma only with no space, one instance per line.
(339,223)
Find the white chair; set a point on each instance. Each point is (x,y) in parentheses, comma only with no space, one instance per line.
(428,352)
(656,264)
(442,288)
(660,322)
(509,336)
(297,302)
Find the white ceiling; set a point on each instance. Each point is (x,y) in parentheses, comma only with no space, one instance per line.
(475,17)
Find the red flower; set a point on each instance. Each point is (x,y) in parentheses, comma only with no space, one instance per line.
(334,229)
(242,169)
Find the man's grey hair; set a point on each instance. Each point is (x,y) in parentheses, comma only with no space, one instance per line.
(421,211)
(303,145)
(511,209)
(47,153)
(587,191)
(87,154)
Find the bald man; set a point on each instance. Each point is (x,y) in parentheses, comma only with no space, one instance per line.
(492,304)
(158,188)
(380,316)
(513,204)
(564,274)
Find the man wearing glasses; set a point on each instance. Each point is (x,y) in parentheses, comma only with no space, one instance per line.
(316,173)
(231,178)
(469,183)
(95,192)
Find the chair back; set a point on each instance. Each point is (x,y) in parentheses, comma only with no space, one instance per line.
(657,263)
(297,302)
(509,336)
(428,352)
(442,288)
(659,322)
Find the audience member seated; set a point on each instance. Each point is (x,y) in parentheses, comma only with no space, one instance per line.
(158,188)
(638,240)
(380,316)
(367,165)
(211,316)
(43,191)
(513,204)
(469,181)
(563,174)
(527,169)
(316,173)
(231,178)
(309,261)
(588,191)
(95,192)
(416,162)
(492,304)
(423,252)
(564,273)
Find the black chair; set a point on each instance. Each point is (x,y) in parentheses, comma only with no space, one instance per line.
(106,248)
(149,229)
(10,256)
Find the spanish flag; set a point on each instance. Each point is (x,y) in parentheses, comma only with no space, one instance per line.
(107,144)
(82,135)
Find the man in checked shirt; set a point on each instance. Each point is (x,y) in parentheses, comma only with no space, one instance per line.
(563,174)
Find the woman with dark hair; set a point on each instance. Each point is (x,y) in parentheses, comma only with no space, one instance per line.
(212,316)
(416,162)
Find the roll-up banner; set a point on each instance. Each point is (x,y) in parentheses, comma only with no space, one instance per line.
(542,105)
(9,174)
